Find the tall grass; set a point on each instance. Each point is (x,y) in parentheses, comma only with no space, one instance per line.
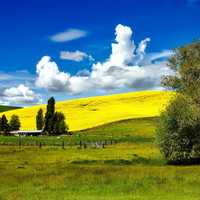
(51,173)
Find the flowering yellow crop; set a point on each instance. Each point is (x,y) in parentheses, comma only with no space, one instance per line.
(93,111)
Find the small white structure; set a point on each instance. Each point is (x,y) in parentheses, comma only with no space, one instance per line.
(27,133)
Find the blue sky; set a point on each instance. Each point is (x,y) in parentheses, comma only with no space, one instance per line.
(29,29)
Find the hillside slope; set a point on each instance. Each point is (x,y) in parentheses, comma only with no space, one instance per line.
(6,108)
(93,111)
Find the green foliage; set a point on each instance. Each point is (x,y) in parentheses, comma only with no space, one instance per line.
(48,126)
(14,123)
(186,65)
(4,126)
(179,128)
(59,125)
(40,119)
(179,131)
(54,121)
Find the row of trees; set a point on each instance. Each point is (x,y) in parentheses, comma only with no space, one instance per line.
(7,126)
(179,128)
(53,123)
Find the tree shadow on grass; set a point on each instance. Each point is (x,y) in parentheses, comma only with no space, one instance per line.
(192,161)
(137,160)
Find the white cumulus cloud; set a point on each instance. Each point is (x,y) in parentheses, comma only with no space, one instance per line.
(68,35)
(128,66)
(49,76)
(19,95)
(75,56)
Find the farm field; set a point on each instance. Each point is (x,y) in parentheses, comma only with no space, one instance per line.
(94,111)
(131,168)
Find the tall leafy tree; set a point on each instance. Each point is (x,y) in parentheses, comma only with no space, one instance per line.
(48,126)
(14,123)
(40,119)
(179,128)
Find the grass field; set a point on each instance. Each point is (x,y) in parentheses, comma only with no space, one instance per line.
(131,169)
(94,111)
(122,171)
(133,130)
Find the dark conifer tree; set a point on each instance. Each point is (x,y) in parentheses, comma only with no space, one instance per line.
(40,120)
(48,126)
(4,124)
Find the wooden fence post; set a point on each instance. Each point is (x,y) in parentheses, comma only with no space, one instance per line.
(20,142)
(63,144)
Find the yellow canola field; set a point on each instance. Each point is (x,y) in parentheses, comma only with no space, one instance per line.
(93,111)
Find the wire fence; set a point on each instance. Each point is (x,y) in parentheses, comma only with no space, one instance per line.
(63,142)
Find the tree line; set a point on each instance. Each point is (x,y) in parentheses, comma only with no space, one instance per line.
(50,123)
(7,126)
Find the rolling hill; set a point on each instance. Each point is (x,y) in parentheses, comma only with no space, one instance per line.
(90,112)
(6,108)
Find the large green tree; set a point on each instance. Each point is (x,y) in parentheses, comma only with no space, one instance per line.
(40,119)
(14,123)
(179,128)
(54,121)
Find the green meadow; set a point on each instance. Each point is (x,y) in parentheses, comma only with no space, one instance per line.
(129,168)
